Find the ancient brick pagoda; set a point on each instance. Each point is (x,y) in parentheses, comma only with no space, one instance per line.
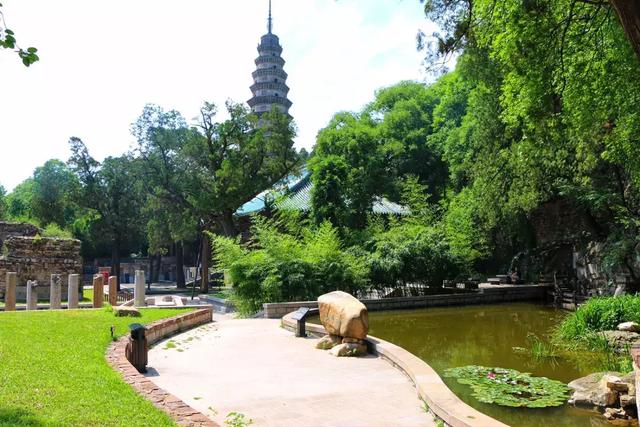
(269,80)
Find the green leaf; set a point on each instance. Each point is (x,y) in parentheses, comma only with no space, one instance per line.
(508,387)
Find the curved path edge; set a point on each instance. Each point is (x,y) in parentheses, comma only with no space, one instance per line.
(179,411)
(442,402)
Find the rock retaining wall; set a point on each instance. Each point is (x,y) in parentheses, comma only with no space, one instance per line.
(497,294)
(180,412)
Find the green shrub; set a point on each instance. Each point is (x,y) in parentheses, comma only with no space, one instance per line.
(54,230)
(599,314)
(410,253)
(279,265)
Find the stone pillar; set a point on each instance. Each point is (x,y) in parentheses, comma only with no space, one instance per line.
(138,291)
(32,295)
(98,291)
(10,292)
(55,292)
(113,290)
(72,290)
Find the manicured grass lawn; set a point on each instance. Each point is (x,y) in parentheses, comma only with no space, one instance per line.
(53,371)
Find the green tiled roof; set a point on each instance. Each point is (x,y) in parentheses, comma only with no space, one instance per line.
(298,197)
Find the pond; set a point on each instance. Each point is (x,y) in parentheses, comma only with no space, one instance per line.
(486,335)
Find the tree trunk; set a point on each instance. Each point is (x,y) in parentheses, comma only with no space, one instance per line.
(628,12)
(158,266)
(115,263)
(151,262)
(180,281)
(227,224)
(206,255)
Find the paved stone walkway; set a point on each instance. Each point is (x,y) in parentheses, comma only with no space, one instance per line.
(256,368)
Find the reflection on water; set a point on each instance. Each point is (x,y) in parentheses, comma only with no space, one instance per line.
(485,335)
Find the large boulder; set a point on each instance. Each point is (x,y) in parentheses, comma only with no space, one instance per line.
(599,390)
(343,315)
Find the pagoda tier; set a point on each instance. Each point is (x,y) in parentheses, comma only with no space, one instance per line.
(269,87)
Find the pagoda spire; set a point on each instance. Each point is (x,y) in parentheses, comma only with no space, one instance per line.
(269,87)
(270,20)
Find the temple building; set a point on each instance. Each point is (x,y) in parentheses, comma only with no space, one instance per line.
(269,80)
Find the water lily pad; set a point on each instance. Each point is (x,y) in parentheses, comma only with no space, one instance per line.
(508,387)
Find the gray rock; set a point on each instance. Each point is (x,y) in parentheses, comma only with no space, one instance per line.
(349,350)
(328,341)
(621,341)
(592,390)
(619,386)
(627,400)
(126,311)
(629,327)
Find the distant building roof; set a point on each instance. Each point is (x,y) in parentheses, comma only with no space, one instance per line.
(297,196)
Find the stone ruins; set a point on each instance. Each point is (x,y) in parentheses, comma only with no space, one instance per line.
(36,258)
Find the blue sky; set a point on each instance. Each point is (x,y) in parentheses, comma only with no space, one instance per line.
(101,62)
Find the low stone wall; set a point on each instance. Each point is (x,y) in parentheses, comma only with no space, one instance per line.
(161,329)
(180,412)
(443,403)
(497,294)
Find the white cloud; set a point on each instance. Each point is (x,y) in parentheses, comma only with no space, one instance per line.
(101,62)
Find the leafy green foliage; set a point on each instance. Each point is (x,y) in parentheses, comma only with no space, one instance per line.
(360,156)
(600,314)
(541,105)
(206,173)
(237,419)
(3,202)
(285,266)
(55,191)
(8,41)
(111,194)
(508,387)
(54,230)
(410,253)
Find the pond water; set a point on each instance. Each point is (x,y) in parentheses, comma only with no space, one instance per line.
(485,335)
